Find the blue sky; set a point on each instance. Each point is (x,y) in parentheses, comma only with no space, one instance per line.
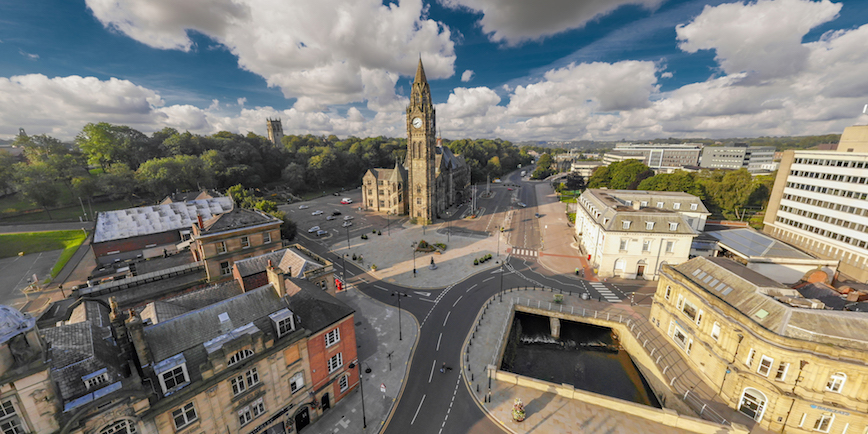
(513,69)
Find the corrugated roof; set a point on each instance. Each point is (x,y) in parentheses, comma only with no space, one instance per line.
(751,243)
(147,220)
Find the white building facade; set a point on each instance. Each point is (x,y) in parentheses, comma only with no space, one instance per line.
(630,234)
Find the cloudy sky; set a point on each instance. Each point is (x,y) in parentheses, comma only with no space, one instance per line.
(513,69)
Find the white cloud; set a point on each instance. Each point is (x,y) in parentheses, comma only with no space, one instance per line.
(242,101)
(29,56)
(323,52)
(515,21)
(763,37)
(467,76)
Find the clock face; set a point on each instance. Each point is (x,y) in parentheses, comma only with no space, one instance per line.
(417,122)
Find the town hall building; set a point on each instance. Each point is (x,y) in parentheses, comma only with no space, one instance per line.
(431,178)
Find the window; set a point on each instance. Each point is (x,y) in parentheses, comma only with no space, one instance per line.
(646,245)
(670,246)
(344,383)
(285,326)
(659,204)
(245,242)
(765,366)
(781,374)
(676,205)
(753,403)
(332,337)
(680,302)
(96,379)
(824,422)
(689,309)
(239,356)
(689,346)
(668,292)
(649,226)
(174,378)
(673,226)
(266,238)
(258,408)
(715,331)
(749,360)
(296,383)
(221,247)
(184,416)
(625,224)
(699,317)
(124,426)
(643,204)
(694,206)
(336,362)
(621,264)
(225,269)
(623,245)
(244,381)
(678,335)
(244,416)
(836,382)
(10,422)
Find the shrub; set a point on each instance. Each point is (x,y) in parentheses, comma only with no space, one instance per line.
(374,267)
(559,298)
(476,262)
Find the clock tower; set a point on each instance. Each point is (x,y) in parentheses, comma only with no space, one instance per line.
(420,150)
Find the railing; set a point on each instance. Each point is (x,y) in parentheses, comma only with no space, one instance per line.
(117,285)
(638,327)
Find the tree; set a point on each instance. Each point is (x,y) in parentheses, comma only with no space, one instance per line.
(38,148)
(620,175)
(7,173)
(293,175)
(118,181)
(98,144)
(574,181)
(38,184)
(161,176)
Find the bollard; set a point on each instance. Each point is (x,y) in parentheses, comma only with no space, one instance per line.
(471,379)
(477,388)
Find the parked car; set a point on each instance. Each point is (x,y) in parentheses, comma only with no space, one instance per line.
(313,229)
(303,207)
(348,217)
(331,217)
(320,233)
(317,212)
(336,213)
(347,224)
(536,215)
(522,204)
(509,189)
(346,200)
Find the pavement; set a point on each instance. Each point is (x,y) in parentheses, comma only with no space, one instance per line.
(381,350)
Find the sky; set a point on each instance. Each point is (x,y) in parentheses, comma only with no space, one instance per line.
(519,70)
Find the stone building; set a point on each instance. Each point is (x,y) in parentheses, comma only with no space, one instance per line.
(431,179)
(785,360)
(275,131)
(228,237)
(296,261)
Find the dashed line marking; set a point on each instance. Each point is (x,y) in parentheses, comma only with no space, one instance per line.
(417,409)
(486,280)
(438,349)
(447,318)
(468,289)
(380,287)
(432,371)
(456,301)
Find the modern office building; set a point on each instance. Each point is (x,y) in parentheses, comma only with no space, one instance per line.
(789,361)
(630,234)
(737,156)
(660,157)
(820,202)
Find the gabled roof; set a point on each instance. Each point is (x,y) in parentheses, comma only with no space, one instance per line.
(446,160)
(190,195)
(237,218)
(289,259)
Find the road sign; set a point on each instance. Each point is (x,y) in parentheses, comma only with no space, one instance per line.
(383,387)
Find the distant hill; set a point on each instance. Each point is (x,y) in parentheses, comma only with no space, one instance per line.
(780,143)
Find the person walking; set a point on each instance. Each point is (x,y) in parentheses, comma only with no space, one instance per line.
(443,368)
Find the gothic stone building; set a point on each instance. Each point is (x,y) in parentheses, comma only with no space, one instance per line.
(431,178)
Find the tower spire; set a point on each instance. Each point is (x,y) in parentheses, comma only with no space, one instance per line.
(420,73)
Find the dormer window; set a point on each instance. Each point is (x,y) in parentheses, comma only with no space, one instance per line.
(676,205)
(95,380)
(283,322)
(673,226)
(649,226)
(694,206)
(625,224)
(659,204)
(172,373)
(643,204)
(239,356)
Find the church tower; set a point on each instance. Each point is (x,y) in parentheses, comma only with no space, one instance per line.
(275,131)
(420,149)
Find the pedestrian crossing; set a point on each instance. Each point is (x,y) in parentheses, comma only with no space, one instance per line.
(605,292)
(525,252)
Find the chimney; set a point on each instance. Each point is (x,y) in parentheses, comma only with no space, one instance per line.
(199,218)
(119,329)
(276,278)
(137,335)
(637,205)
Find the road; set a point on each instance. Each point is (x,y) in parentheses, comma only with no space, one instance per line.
(435,402)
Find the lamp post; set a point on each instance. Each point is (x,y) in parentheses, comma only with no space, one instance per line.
(348,236)
(399,295)
(344,266)
(389,223)
(501,281)
(362,390)
(414,261)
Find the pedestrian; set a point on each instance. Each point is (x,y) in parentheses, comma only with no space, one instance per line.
(443,368)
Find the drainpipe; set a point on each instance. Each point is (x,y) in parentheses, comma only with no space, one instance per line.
(734,355)
(802,364)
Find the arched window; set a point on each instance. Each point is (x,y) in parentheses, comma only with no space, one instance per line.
(753,403)
(123,426)
(239,356)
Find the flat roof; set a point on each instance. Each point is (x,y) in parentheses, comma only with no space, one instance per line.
(750,243)
(147,220)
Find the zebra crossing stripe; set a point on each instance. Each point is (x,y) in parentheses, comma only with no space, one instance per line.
(525,252)
(605,292)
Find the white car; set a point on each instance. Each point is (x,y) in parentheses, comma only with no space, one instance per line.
(331,217)
(349,217)
(303,207)
(346,200)
(313,229)
(347,224)
(317,212)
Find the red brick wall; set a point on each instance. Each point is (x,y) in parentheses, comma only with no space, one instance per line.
(254,281)
(136,243)
(319,354)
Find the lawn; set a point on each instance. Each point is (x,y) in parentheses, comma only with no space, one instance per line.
(34,242)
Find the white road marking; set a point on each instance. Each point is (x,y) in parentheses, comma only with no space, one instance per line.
(468,289)
(456,301)
(380,287)
(486,280)
(423,294)
(438,344)
(432,371)
(447,318)
(425,299)
(417,410)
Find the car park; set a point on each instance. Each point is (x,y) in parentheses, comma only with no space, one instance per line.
(331,217)
(313,229)
(336,213)
(317,212)
(347,224)
(348,217)
(346,200)
(303,207)
(320,233)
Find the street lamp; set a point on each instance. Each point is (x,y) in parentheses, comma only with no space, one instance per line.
(348,236)
(399,295)
(344,267)
(414,261)
(501,281)
(362,390)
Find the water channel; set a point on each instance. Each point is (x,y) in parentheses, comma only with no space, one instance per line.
(585,356)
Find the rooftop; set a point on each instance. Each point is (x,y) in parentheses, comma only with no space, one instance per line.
(286,259)
(748,243)
(147,220)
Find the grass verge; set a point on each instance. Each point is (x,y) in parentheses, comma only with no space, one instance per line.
(34,242)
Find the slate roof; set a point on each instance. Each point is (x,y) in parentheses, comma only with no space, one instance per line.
(286,259)
(316,308)
(444,159)
(751,243)
(77,350)
(753,295)
(235,219)
(613,210)
(190,195)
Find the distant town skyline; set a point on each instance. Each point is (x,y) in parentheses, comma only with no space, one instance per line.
(558,71)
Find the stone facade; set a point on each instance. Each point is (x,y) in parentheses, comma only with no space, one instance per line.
(792,369)
(275,131)
(238,234)
(431,178)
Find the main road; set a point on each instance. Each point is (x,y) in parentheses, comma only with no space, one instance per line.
(435,402)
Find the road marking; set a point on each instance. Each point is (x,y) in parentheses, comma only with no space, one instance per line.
(423,294)
(456,301)
(447,318)
(434,363)
(420,407)
(380,287)
(486,280)
(351,273)
(605,292)
(438,349)
(363,280)
(425,299)
(468,289)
